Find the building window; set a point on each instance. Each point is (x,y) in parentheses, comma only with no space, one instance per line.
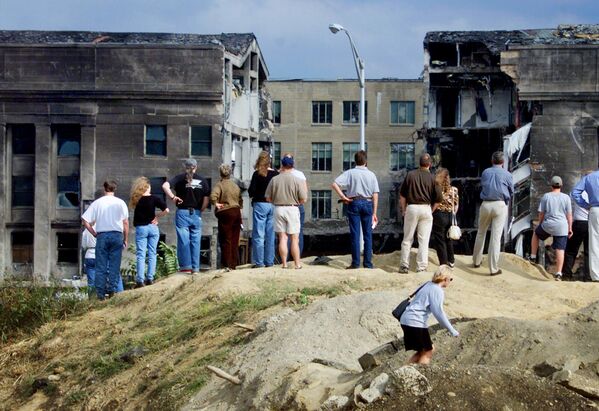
(321,204)
(322,112)
(68,191)
(156,187)
(402,156)
(351,112)
(68,149)
(22,247)
(402,112)
(276,112)
(67,245)
(201,141)
(276,155)
(23,139)
(321,156)
(156,140)
(22,191)
(349,152)
(521,201)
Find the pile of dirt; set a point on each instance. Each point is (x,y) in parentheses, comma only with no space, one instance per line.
(148,348)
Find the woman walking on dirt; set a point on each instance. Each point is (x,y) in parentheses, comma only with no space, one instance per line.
(429,299)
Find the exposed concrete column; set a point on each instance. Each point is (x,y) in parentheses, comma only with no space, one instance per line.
(4,240)
(42,241)
(88,160)
(246,167)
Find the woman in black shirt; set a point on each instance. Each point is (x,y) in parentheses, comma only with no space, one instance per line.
(147,234)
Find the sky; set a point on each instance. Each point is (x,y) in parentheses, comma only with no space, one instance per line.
(293,34)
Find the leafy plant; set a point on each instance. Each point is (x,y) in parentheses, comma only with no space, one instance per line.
(167,260)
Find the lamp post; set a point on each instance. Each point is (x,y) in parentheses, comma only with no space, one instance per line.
(335,28)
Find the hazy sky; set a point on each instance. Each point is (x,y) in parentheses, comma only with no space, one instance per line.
(294,35)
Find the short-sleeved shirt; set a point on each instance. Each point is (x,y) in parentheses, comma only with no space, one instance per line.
(555,206)
(191,193)
(286,189)
(259,184)
(298,174)
(108,213)
(145,210)
(359,182)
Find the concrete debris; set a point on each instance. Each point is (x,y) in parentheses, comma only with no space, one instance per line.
(561,376)
(583,386)
(376,389)
(335,402)
(53,377)
(270,323)
(410,380)
(376,356)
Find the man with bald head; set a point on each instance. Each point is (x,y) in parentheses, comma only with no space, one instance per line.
(419,196)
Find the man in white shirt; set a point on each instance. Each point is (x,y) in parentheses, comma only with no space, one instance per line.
(111,218)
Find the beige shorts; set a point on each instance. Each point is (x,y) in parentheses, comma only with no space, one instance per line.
(287,219)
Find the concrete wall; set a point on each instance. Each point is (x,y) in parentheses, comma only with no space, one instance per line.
(296,133)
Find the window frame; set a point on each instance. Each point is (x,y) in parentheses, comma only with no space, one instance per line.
(352,154)
(328,112)
(324,196)
(276,111)
(21,247)
(146,129)
(74,250)
(398,152)
(208,142)
(397,104)
(327,161)
(349,121)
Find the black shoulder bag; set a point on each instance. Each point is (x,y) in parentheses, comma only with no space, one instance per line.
(398,311)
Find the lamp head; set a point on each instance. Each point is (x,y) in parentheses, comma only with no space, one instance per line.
(335,28)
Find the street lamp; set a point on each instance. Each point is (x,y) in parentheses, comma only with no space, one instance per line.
(335,28)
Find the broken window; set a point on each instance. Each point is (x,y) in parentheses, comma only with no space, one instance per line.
(276,155)
(201,141)
(322,156)
(447,107)
(321,204)
(322,112)
(22,247)
(403,112)
(68,188)
(349,151)
(402,156)
(156,187)
(67,245)
(155,140)
(351,112)
(521,202)
(276,112)
(68,149)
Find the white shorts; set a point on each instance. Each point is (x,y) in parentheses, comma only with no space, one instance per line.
(287,219)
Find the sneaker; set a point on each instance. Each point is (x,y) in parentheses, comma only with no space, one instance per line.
(149,282)
(403,270)
(475,265)
(532,260)
(138,284)
(497,272)
(421,270)
(558,276)
(451,264)
(185,270)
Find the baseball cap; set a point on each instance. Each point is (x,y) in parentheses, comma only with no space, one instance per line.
(287,161)
(190,162)
(556,181)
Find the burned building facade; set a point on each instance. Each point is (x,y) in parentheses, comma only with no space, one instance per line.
(532,93)
(77,108)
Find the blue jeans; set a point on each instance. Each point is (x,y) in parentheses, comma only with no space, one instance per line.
(359,213)
(189,232)
(146,239)
(109,249)
(301,233)
(263,235)
(89,266)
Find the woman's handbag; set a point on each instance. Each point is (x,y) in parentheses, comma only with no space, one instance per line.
(454,232)
(398,311)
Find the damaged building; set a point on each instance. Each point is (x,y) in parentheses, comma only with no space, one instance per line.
(77,108)
(532,93)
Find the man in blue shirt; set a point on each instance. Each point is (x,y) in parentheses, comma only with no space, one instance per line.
(590,184)
(497,190)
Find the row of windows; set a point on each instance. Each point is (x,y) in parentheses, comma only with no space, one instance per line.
(322,205)
(67,247)
(401,156)
(200,140)
(401,112)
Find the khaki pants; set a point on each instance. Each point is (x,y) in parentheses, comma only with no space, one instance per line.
(594,243)
(418,216)
(494,214)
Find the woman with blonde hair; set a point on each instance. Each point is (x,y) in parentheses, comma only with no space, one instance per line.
(226,197)
(147,234)
(414,320)
(442,218)
(263,233)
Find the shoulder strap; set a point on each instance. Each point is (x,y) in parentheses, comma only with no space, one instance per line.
(416,292)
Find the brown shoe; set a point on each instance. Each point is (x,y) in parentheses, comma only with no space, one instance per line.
(497,272)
